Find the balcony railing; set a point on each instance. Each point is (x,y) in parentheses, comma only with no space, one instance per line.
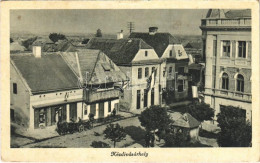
(226,22)
(230,94)
(91,95)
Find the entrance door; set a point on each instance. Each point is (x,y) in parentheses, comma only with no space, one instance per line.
(138,99)
(145,98)
(73,111)
(101,110)
(152,96)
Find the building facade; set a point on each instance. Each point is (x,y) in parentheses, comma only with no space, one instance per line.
(140,63)
(173,71)
(227,50)
(46,87)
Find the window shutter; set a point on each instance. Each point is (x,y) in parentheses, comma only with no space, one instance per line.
(249,49)
(233,49)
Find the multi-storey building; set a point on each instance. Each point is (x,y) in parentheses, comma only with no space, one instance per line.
(140,63)
(46,87)
(174,66)
(227,50)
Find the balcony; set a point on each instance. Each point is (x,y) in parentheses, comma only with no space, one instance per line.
(241,96)
(100,95)
(228,23)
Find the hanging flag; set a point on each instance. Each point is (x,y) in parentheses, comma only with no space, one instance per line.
(151,79)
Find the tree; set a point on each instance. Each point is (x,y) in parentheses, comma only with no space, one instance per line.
(235,130)
(155,117)
(85,41)
(56,37)
(11,40)
(27,43)
(201,111)
(175,140)
(115,133)
(99,33)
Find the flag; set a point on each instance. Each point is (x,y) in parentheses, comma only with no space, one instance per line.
(151,80)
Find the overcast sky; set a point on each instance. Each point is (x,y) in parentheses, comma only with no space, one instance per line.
(111,21)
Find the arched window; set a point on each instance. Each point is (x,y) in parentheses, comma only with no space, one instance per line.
(225,81)
(240,83)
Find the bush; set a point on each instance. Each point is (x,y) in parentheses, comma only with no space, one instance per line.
(99,144)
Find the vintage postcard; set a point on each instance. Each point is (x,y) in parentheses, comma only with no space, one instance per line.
(124,81)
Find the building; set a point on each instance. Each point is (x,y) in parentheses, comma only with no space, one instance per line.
(227,50)
(140,63)
(174,66)
(49,86)
(195,49)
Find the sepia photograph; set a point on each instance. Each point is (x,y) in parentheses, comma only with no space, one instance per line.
(130,81)
(130,78)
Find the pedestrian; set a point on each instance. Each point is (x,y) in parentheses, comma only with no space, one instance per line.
(147,139)
(114,112)
(152,139)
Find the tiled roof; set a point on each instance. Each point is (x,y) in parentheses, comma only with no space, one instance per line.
(230,14)
(45,74)
(187,121)
(120,51)
(158,41)
(96,64)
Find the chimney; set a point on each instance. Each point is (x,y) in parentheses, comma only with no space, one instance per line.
(37,51)
(120,35)
(153,30)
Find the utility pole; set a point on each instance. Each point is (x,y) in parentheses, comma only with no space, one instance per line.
(131,26)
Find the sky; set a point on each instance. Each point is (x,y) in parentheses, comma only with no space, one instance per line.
(174,21)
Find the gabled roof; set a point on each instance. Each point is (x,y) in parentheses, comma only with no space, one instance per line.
(193,45)
(187,121)
(159,41)
(120,51)
(229,14)
(93,66)
(15,46)
(40,41)
(45,74)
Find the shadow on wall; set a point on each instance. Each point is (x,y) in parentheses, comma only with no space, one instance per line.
(124,106)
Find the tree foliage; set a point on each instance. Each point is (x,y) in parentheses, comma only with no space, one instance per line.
(56,37)
(235,130)
(201,111)
(155,117)
(85,41)
(115,133)
(175,140)
(11,40)
(99,33)
(27,43)
(99,144)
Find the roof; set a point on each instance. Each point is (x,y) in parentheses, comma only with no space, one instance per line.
(96,64)
(15,46)
(229,14)
(45,74)
(186,121)
(195,66)
(40,41)
(159,41)
(120,51)
(194,45)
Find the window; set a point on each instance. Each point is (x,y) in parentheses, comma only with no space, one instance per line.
(181,84)
(170,70)
(226,49)
(146,53)
(85,110)
(145,97)
(170,53)
(109,106)
(240,83)
(12,114)
(241,49)
(14,88)
(139,73)
(164,71)
(146,73)
(225,81)
(214,47)
(181,70)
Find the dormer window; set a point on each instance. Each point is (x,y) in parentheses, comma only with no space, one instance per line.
(146,53)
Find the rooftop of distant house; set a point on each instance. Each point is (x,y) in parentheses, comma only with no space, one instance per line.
(228,14)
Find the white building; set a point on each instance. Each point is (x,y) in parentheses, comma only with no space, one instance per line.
(227,51)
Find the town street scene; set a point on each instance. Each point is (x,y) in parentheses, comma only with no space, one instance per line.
(130,78)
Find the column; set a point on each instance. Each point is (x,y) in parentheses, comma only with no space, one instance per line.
(80,110)
(68,112)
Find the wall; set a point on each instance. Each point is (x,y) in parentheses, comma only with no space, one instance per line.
(140,56)
(20,102)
